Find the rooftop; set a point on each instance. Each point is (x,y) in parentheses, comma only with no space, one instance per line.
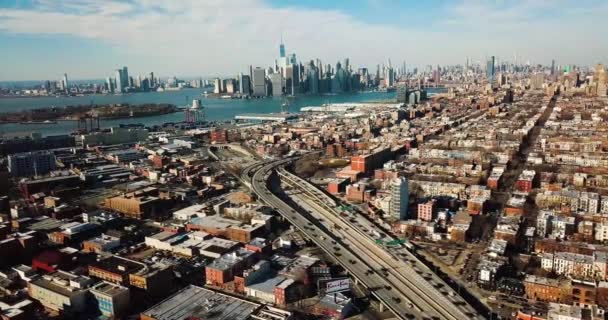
(194,301)
(118,265)
(227,260)
(64,283)
(269,284)
(107,288)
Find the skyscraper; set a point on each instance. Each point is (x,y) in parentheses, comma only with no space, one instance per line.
(145,84)
(399,198)
(276,83)
(259,82)
(340,80)
(66,85)
(312,77)
(292,79)
(244,84)
(119,81)
(218,86)
(292,58)
(491,69)
(282,48)
(125,78)
(600,79)
(389,79)
(437,75)
(109,85)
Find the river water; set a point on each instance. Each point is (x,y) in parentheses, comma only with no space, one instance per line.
(216,109)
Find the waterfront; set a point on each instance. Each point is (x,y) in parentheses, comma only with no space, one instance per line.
(216,109)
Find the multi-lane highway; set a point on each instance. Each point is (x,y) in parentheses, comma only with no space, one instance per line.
(417,283)
(402,288)
(333,246)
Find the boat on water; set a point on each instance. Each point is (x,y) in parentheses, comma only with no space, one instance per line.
(39,122)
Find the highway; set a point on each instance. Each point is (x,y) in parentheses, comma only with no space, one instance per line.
(400,287)
(381,288)
(409,276)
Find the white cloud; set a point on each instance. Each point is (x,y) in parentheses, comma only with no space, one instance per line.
(192,37)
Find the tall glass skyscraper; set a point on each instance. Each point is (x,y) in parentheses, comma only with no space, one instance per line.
(125,77)
(119,81)
(491,69)
(282,49)
(66,84)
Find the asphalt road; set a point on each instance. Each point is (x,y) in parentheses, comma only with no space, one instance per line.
(409,277)
(401,288)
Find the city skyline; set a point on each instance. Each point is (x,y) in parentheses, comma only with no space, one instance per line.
(86,38)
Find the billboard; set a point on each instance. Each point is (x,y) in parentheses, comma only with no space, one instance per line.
(337,285)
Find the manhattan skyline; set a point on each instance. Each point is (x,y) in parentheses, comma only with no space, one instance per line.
(43,39)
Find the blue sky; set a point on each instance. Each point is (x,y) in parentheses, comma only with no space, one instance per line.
(42,39)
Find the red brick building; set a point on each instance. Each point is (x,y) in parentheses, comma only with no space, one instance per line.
(525,182)
(225,268)
(360,163)
(347,173)
(358,193)
(371,161)
(159,161)
(219,136)
(583,293)
(547,290)
(337,186)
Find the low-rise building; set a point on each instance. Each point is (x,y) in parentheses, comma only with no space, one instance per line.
(194,302)
(546,289)
(525,181)
(426,210)
(103,243)
(223,269)
(576,265)
(111,299)
(61,291)
(134,206)
(265,290)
